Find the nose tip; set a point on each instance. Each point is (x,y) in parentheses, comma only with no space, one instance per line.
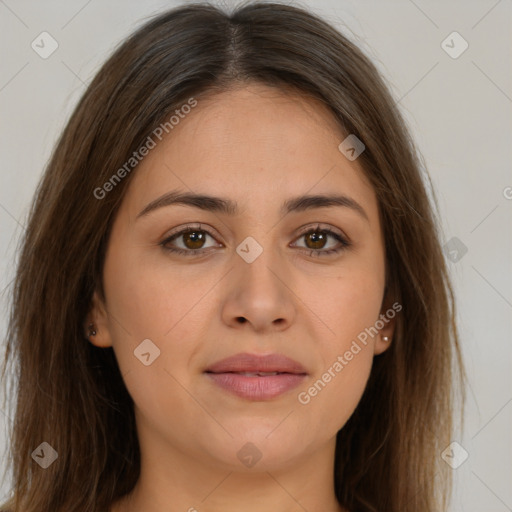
(243,320)
(257,295)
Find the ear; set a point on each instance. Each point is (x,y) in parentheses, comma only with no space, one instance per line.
(386,324)
(98,317)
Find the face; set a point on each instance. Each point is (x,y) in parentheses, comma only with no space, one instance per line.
(284,286)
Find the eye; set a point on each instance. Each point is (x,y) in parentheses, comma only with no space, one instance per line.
(192,240)
(317,238)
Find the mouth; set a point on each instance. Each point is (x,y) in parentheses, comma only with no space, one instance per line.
(254,374)
(256,377)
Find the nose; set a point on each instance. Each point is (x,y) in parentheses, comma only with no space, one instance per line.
(258,296)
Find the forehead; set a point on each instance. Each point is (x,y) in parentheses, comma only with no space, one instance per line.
(253,144)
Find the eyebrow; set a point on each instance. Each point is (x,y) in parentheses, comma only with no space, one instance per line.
(229,207)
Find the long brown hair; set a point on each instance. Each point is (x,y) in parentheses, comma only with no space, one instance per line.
(71,394)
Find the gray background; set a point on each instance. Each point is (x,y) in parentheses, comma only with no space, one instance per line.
(459,111)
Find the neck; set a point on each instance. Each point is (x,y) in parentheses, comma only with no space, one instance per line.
(180,483)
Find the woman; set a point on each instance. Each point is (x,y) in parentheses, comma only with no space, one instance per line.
(231,291)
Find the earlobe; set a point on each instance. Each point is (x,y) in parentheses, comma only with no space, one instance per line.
(386,326)
(382,343)
(97,329)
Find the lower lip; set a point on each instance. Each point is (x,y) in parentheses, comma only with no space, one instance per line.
(257,387)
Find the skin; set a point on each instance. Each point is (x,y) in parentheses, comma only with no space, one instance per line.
(258,146)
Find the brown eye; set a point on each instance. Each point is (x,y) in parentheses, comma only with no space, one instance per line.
(193,239)
(316,239)
(189,241)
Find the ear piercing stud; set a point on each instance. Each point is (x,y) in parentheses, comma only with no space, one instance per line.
(385,338)
(92,330)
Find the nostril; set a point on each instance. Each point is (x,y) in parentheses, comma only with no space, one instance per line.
(241,319)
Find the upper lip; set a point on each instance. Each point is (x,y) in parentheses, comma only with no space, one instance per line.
(256,363)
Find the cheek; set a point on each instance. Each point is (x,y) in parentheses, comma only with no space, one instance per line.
(166,305)
(346,303)
(331,398)
(148,299)
(349,306)
(145,304)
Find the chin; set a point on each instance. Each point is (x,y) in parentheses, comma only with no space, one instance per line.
(255,450)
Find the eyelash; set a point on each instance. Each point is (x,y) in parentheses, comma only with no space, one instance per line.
(197,252)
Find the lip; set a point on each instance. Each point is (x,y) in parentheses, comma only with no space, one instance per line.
(230,374)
